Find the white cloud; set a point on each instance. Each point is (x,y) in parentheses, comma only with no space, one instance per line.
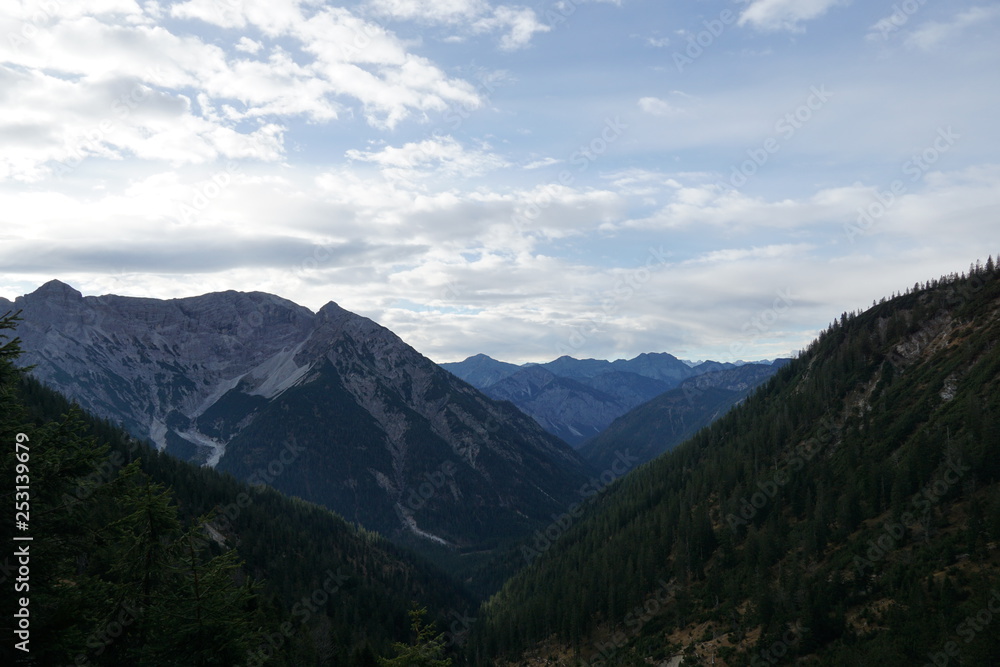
(60,123)
(431,11)
(449,156)
(522,23)
(544,162)
(517,25)
(932,33)
(91,85)
(970,195)
(248,45)
(656,106)
(765,252)
(784,14)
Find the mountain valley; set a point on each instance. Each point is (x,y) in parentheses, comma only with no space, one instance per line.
(840,507)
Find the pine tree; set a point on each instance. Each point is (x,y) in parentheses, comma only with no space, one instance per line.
(426,651)
(115,580)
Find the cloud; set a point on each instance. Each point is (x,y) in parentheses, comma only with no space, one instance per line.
(346,56)
(766,252)
(966,197)
(198,251)
(88,84)
(248,45)
(518,25)
(63,122)
(656,106)
(932,33)
(784,14)
(544,162)
(431,11)
(521,22)
(449,156)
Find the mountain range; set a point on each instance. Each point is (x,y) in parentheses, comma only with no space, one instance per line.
(577,399)
(327,406)
(139,558)
(841,507)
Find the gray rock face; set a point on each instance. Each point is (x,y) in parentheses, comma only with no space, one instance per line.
(357,419)
(157,365)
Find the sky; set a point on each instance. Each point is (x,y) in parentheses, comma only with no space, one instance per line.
(597,178)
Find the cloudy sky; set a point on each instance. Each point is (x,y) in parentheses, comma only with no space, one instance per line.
(600,178)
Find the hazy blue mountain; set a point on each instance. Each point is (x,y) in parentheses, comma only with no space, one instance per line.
(576,399)
(572,409)
(480,370)
(674,416)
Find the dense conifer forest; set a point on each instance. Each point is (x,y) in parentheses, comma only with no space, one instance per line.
(849,511)
(141,559)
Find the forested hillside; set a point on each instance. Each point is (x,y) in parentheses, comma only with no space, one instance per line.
(849,511)
(138,558)
(659,425)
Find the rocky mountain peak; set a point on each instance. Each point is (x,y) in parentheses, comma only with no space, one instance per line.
(56,290)
(356,417)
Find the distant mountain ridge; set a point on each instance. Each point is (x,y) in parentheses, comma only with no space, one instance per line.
(577,399)
(328,406)
(665,421)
